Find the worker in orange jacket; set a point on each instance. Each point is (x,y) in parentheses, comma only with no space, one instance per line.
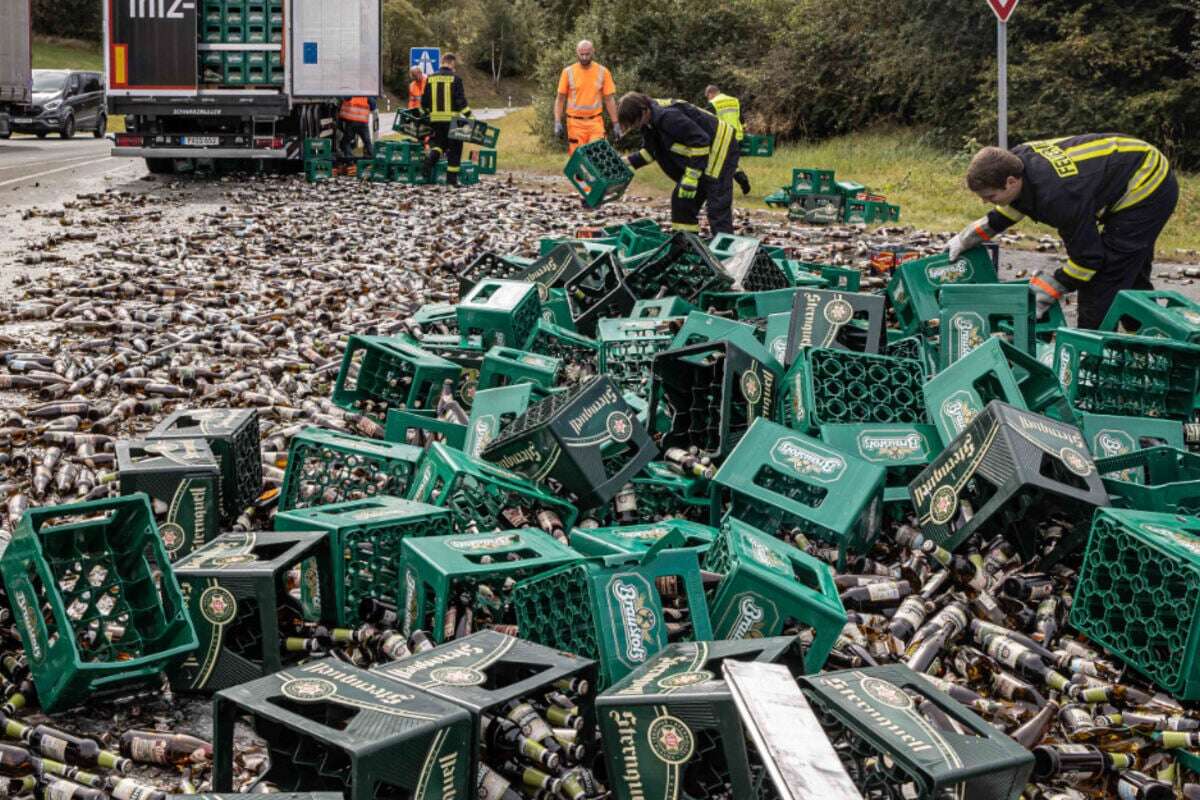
(585,91)
(355,115)
(416,88)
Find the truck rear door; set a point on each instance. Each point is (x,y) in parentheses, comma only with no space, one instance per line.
(335,48)
(151,47)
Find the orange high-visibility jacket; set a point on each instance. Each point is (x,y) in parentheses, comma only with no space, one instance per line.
(356,109)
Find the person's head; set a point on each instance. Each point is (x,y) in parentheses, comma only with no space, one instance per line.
(585,52)
(712,91)
(450,60)
(996,175)
(416,73)
(634,110)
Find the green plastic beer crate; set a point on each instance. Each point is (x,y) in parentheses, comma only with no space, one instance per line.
(1109,436)
(899,736)
(95,601)
(711,394)
(662,308)
(1009,470)
(637,539)
(993,371)
(1161,479)
(918,347)
(383,372)
(760,145)
(699,328)
(628,348)
(403,152)
(913,290)
(490,265)
(318,148)
(488,162)
(318,169)
(841,320)
(754,270)
(812,181)
(973,313)
(554,268)
(473,131)
(902,450)
(587,440)
(412,122)
(507,366)
(501,312)
(364,540)
(232,435)
(487,672)
(598,173)
(684,266)
(825,387)
(609,608)
(573,349)
(769,585)
(181,478)
(327,466)
(753,306)
(1137,591)
(778,480)
(1137,376)
(413,428)
(434,571)
(478,493)
(330,726)
(640,239)
(596,293)
(663,494)
(672,730)
(1155,313)
(235,589)
(491,411)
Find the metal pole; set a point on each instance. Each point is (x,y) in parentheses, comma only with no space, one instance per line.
(1002,61)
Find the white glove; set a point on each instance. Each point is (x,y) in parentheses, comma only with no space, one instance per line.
(1046,291)
(618,131)
(973,235)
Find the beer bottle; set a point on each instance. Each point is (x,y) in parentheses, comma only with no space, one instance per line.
(150,747)
(420,642)
(875,594)
(1133,785)
(49,788)
(15,787)
(377,612)
(1046,620)
(1077,761)
(77,750)
(491,785)
(1033,730)
(16,761)
(506,738)
(1033,588)
(626,505)
(1174,739)
(529,777)
(574,685)
(909,616)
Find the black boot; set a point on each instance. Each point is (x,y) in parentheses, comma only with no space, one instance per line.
(430,168)
(743,180)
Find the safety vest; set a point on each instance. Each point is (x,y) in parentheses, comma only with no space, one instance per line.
(415,90)
(356,109)
(442,89)
(729,109)
(576,78)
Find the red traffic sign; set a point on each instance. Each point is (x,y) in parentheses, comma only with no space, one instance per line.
(1003,9)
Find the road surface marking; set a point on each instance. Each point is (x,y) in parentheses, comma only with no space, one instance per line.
(52,171)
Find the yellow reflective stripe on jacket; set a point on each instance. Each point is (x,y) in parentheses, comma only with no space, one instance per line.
(1077,272)
(1106,147)
(691,178)
(646,155)
(684,226)
(720,149)
(1011,213)
(688,152)
(442,104)
(1145,181)
(729,109)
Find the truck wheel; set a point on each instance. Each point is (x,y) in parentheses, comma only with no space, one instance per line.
(6,135)
(68,128)
(42,134)
(160,166)
(101,127)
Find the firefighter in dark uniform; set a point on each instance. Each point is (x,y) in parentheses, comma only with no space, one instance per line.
(444,99)
(1109,195)
(695,149)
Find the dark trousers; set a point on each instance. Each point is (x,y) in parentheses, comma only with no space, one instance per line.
(716,194)
(356,130)
(1128,237)
(439,143)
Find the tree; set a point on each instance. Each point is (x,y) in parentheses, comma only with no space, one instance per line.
(71,19)
(508,37)
(403,28)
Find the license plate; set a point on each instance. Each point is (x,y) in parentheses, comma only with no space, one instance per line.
(201,141)
(22,120)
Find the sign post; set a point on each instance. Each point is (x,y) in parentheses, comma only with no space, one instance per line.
(1003,9)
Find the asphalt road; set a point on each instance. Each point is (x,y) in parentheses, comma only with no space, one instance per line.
(49,170)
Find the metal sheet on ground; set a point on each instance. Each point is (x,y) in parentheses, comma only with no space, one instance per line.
(773,709)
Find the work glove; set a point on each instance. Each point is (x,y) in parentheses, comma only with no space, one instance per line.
(973,235)
(618,131)
(688,185)
(1046,291)
(560,130)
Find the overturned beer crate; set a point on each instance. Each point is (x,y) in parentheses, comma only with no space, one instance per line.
(994,371)
(1010,470)
(913,290)
(628,348)
(826,387)
(1161,479)
(326,466)
(559,264)
(573,349)
(712,393)
(181,478)
(494,674)
(435,570)
(783,482)
(664,493)
(500,312)
(598,292)
(1137,595)
(671,728)
(1155,313)
(1110,435)
(364,540)
(506,366)
(588,440)
(1138,376)
(236,590)
(481,496)
(902,450)
(611,608)
(379,373)
(683,264)
(632,539)
(330,726)
(769,587)
(95,601)
(839,320)
(492,410)
(971,314)
(488,265)
(898,736)
(232,435)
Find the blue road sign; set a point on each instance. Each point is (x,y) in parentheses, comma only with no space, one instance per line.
(429,59)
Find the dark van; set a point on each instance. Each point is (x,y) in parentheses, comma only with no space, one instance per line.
(64,102)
